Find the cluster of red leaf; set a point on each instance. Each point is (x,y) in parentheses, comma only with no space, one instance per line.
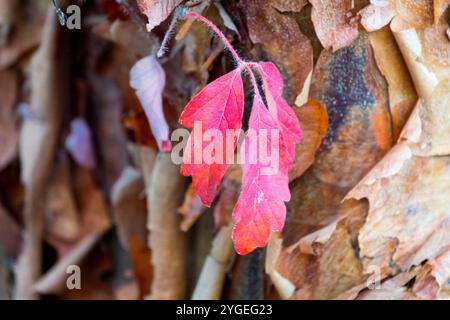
(260,208)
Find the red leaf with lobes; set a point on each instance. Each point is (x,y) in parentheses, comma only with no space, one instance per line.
(288,124)
(219,106)
(267,153)
(260,208)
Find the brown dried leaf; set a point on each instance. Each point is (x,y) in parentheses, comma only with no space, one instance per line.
(109,131)
(197,48)
(325,263)
(397,237)
(227,21)
(94,286)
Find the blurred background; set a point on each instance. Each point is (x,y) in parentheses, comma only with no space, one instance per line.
(92,207)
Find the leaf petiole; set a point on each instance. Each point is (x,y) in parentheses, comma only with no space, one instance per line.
(194,15)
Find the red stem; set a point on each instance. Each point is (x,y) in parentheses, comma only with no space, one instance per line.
(228,45)
(164,44)
(212,26)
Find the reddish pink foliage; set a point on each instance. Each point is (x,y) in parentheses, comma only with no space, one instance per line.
(260,208)
(288,124)
(218,106)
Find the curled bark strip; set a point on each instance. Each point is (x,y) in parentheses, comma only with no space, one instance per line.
(37,145)
(428,62)
(211,281)
(402,94)
(284,287)
(390,236)
(409,43)
(164,195)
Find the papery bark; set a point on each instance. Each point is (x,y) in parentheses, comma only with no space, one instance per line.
(168,243)
(210,284)
(37,145)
